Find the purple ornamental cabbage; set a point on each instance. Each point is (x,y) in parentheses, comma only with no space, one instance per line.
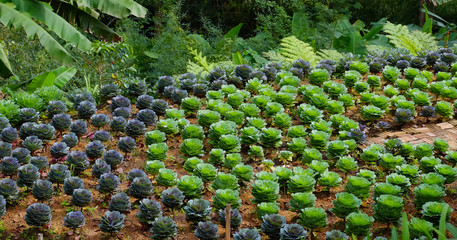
(61,121)
(26,130)
(113,158)
(95,149)
(81,197)
(147,116)
(109,91)
(78,160)
(38,214)
(28,115)
(44,131)
(74,219)
(135,128)
(9,134)
(27,175)
(126,144)
(86,109)
(118,124)
(119,101)
(134,173)
(144,102)
(9,165)
(55,107)
(108,183)
(70,139)
(78,127)
(59,150)
(124,112)
(22,155)
(99,120)
(40,162)
(102,136)
(100,167)
(72,183)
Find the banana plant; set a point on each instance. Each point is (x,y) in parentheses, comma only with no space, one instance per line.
(59,17)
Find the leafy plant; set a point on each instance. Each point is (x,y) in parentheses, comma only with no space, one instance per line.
(329,179)
(74,219)
(27,175)
(72,183)
(388,208)
(167,177)
(247,234)
(120,202)
(302,200)
(191,186)
(345,204)
(224,197)
(141,187)
(265,191)
(112,222)
(359,186)
(108,183)
(432,211)
(38,214)
(197,210)
(113,158)
(81,197)
(301,183)
(9,189)
(9,166)
(149,210)
(157,151)
(313,217)
(59,150)
(206,231)
(42,190)
(450,173)
(359,224)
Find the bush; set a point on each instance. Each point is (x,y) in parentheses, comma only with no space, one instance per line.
(112,222)
(148,211)
(38,214)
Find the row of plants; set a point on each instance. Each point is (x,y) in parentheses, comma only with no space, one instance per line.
(297,122)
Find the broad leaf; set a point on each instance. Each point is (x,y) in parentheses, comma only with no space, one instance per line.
(452,229)
(116,8)
(58,77)
(237,58)
(10,16)
(43,12)
(233,33)
(405,227)
(84,20)
(5,67)
(63,75)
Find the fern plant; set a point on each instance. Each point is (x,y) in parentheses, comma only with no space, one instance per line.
(415,41)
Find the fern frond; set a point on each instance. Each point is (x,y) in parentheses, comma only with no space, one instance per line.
(330,54)
(415,41)
(274,56)
(292,49)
